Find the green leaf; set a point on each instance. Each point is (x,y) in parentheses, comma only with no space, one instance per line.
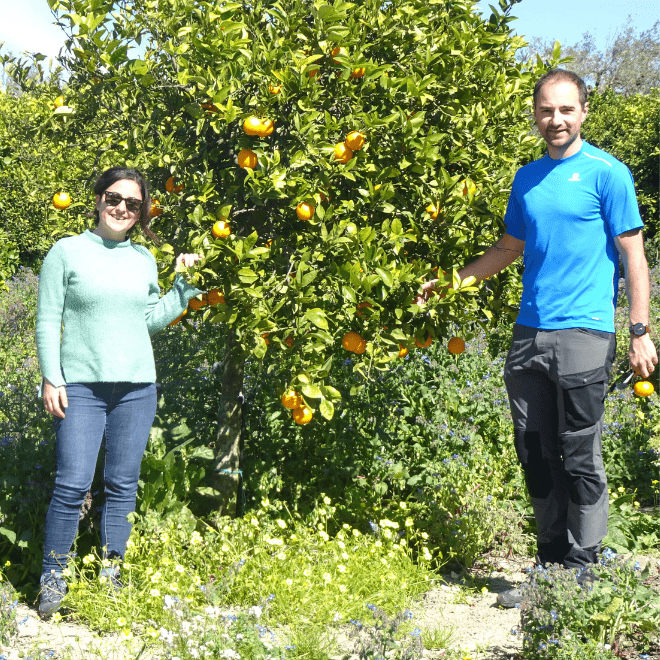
(11,535)
(317,317)
(327,409)
(311,391)
(385,276)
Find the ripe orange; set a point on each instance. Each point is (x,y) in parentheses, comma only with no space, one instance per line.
(355,140)
(221,229)
(343,153)
(456,345)
(59,102)
(643,388)
(289,341)
(156,208)
(247,158)
(265,338)
(361,347)
(292,400)
(350,341)
(215,297)
(61,200)
(305,211)
(425,344)
(312,73)
(469,187)
(171,187)
(196,303)
(274,89)
(178,318)
(302,415)
(339,50)
(432,210)
(210,108)
(267,127)
(362,305)
(403,351)
(358,73)
(252,125)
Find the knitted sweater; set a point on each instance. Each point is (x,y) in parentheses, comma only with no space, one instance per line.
(98,304)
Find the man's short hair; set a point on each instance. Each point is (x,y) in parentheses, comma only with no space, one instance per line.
(562,75)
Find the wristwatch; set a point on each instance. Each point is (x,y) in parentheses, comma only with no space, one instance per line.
(638,329)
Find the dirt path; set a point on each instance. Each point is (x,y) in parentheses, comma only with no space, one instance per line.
(477,623)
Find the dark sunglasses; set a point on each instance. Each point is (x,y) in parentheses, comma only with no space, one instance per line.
(115,199)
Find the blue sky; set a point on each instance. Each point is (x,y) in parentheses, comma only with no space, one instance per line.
(27,24)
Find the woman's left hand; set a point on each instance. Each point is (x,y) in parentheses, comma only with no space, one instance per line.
(187,260)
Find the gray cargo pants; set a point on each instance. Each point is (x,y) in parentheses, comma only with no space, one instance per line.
(556,381)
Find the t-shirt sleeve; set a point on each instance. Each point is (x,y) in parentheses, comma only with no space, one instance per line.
(50,309)
(514,218)
(163,310)
(619,202)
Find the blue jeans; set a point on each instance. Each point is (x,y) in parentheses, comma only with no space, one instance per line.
(122,414)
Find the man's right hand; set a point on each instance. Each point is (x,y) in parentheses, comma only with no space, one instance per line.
(55,400)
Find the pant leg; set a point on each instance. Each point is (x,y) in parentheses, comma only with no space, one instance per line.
(584,360)
(533,397)
(129,421)
(79,436)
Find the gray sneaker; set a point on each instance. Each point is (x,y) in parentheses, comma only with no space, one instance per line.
(112,575)
(53,589)
(515,597)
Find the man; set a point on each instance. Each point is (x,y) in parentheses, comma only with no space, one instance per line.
(570,214)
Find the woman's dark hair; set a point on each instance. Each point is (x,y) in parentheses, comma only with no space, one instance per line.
(114,174)
(562,75)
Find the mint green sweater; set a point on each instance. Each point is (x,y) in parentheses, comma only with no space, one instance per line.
(99,302)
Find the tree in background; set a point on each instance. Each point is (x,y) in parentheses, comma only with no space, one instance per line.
(325,158)
(630,63)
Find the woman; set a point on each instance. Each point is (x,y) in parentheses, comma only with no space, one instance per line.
(99,302)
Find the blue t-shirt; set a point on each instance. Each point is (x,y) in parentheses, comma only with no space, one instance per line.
(568,213)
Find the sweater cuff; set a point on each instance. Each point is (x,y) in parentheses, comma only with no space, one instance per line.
(187,290)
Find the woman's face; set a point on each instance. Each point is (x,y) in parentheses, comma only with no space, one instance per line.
(115,221)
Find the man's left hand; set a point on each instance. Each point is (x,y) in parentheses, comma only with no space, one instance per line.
(643,356)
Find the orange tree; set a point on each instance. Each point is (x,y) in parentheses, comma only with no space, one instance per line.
(342,151)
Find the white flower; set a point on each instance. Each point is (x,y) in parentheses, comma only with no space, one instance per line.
(281,523)
(256,611)
(327,577)
(179,569)
(341,568)
(341,544)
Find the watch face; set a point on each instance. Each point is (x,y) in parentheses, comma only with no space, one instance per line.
(638,329)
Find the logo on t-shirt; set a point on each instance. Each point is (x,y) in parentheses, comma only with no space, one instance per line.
(575,177)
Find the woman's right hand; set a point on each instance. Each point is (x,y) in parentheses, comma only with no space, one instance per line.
(55,399)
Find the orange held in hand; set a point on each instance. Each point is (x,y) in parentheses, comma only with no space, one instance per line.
(292,400)
(196,303)
(215,297)
(61,200)
(221,229)
(247,158)
(456,345)
(305,211)
(343,153)
(643,388)
(302,415)
(178,318)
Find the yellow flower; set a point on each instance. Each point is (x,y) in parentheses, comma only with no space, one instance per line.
(293,537)
(226,528)
(254,521)
(7,563)
(484,590)
(152,632)
(280,523)
(188,599)
(225,547)
(636,503)
(164,537)
(196,538)
(409,522)
(621,489)
(265,502)
(56,618)
(174,586)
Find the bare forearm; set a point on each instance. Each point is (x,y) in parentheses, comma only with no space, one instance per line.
(638,289)
(496,258)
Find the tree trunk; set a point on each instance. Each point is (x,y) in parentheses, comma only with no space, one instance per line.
(226,476)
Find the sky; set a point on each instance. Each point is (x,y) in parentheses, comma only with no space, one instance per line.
(27,24)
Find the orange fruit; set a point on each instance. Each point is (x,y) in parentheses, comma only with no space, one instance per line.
(456,345)
(339,50)
(265,338)
(361,347)
(292,400)
(215,297)
(432,210)
(289,341)
(171,187)
(355,140)
(403,351)
(210,108)
(358,73)
(425,344)
(302,415)
(247,158)
(156,208)
(196,303)
(59,102)
(343,153)
(643,388)
(274,89)
(312,73)
(252,125)
(221,229)
(61,200)
(350,341)
(305,211)
(469,187)
(267,127)
(178,318)
(362,305)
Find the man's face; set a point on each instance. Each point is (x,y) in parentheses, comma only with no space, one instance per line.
(559,115)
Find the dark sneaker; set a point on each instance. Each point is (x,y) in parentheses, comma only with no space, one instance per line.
(53,589)
(111,574)
(515,597)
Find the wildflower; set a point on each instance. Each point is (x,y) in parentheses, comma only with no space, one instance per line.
(293,537)
(88,559)
(154,593)
(621,489)
(130,544)
(224,548)
(389,523)
(273,541)
(179,569)
(341,568)
(121,621)
(197,580)
(65,573)
(56,618)
(164,537)
(288,582)
(342,588)
(341,544)
(281,556)
(280,523)
(103,579)
(265,502)
(254,522)
(484,590)
(188,599)
(425,535)
(152,632)
(156,577)
(356,533)
(636,503)
(327,577)
(256,611)
(378,544)
(326,500)
(126,634)
(196,538)
(324,536)
(344,555)
(174,586)
(409,522)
